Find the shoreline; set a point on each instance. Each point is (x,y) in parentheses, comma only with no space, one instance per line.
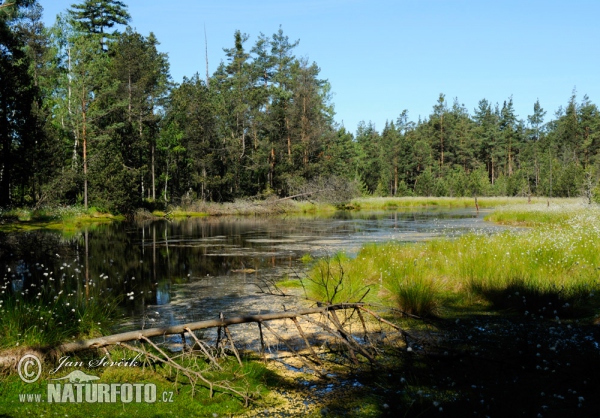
(72,218)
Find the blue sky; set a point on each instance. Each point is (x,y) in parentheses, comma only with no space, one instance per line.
(385,56)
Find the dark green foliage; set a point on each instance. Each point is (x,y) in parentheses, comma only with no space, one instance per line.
(95,116)
(490,153)
(17,96)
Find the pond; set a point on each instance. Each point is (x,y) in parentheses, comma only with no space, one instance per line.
(172,272)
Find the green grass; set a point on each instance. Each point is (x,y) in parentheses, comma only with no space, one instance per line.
(365,203)
(252,378)
(312,207)
(69,218)
(337,280)
(187,214)
(551,270)
(556,212)
(289,283)
(44,321)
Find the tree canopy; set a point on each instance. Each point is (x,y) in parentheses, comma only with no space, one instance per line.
(89,115)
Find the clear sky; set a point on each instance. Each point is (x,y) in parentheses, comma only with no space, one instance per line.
(384,56)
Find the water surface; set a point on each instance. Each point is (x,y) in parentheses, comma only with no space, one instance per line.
(171,272)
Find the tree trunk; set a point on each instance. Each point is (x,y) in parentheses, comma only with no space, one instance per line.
(75,131)
(289,139)
(153,178)
(271,166)
(6,161)
(166,180)
(84,138)
(442,141)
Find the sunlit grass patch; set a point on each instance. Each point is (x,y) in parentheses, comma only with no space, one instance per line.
(548,270)
(416,295)
(290,283)
(67,218)
(337,280)
(313,207)
(445,202)
(553,211)
(187,214)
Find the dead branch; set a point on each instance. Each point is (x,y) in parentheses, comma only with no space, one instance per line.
(347,343)
(212,323)
(235,351)
(288,345)
(300,195)
(204,350)
(189,372)
(348,337)
(301,331)
(385,321)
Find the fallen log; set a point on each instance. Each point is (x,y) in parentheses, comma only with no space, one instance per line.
(95,343)
(300,195)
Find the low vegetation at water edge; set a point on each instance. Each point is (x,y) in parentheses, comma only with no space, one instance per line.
(551,270)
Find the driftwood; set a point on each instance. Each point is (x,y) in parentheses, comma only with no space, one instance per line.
(95,343)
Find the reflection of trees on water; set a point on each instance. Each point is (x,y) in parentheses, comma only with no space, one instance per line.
(138,264)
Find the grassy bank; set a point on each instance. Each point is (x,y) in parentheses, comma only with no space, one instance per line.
(246,207)
(74,217)
(382,203)
(176,395)
(557,213)
(69,218)
(549,270)
(280,206)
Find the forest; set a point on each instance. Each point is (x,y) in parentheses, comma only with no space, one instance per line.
(90,116)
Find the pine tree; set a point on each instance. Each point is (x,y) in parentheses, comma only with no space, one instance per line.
(96,16)
(17,95)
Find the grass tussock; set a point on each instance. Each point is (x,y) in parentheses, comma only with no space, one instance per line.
(552,270)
